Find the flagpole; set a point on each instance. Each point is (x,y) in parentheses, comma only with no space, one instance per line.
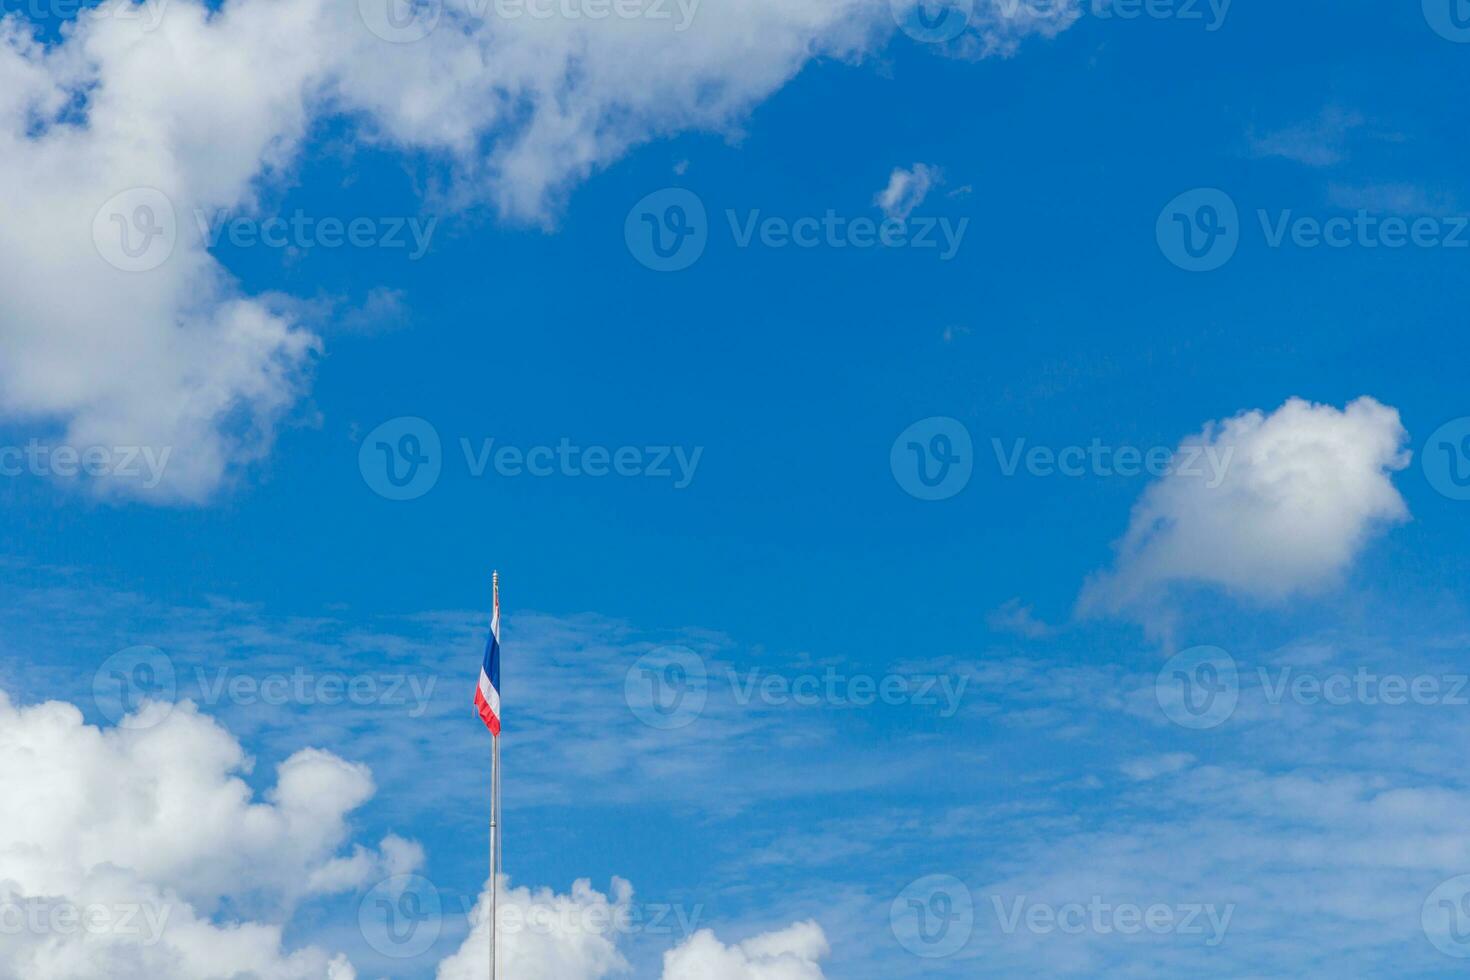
(494,811)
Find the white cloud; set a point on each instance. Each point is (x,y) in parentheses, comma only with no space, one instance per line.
(1277,868)
(546,936)
(1154,766)
(1318,142)
(906,190)
(149,832)
(127,853)
(569,664)
(997,27)
(1014,616)
(791,954)
(1273,505)
(1391,198)
(383,309)
(519,108)
(1319,828)
(174,357)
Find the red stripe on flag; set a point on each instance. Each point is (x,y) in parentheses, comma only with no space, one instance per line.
(486,715)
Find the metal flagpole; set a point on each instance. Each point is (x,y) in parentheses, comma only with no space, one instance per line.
(494,811)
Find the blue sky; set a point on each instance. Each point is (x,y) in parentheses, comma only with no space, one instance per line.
(779,378)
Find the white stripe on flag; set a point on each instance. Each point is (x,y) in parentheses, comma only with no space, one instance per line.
(488,692)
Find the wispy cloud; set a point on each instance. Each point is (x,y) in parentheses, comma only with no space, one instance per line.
(1013,616)
(1391,198)
(1318,142)
(569,718)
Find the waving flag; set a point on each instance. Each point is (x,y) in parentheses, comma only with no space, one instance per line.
(487,695)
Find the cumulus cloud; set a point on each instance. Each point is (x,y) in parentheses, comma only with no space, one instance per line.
(1266,506)
(542,935)
(138,851)
(791,954)
(120,328)
(119,847)
(906,190)
(106,141)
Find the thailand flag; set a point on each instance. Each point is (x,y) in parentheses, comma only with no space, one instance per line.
(487,695)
